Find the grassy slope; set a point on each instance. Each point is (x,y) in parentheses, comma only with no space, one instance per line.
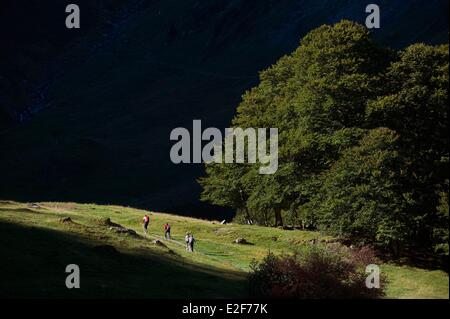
(37,246)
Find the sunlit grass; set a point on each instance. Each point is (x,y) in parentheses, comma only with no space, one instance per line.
(215,252)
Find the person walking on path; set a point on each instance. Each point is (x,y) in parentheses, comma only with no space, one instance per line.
(191,241)
(167,231)
(186,240)
(145,222)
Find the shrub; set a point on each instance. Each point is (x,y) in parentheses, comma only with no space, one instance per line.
(316,272)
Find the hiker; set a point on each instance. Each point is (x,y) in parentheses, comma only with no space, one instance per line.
(146,221)
(186,240)
(191,243)
(167,231)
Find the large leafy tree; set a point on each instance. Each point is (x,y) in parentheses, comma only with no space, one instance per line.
(316,98)
(415,104)
(361,196)
(363,145)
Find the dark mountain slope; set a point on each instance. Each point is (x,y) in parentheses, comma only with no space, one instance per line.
(103,135)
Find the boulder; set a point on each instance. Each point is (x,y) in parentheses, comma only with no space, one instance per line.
(65,220)
(123,230)
(159,243)
(108,222)
(241,241)
(331,241)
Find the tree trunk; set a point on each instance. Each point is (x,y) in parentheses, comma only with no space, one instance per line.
(278,217)
(396,248)
(247,216)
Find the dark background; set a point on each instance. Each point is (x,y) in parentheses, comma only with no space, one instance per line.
(85,115)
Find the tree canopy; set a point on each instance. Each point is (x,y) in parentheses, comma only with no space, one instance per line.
(363,141)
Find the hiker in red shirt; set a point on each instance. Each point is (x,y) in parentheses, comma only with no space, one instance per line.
(146,221)
(166,231)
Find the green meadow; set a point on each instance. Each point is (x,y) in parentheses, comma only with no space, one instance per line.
(36,246)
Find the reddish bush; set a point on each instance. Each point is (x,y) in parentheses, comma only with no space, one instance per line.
(315,273)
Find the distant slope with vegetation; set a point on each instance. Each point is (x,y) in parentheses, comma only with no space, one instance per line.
(38,241)
(109,94)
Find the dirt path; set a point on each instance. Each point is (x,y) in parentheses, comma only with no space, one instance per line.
(162,239)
